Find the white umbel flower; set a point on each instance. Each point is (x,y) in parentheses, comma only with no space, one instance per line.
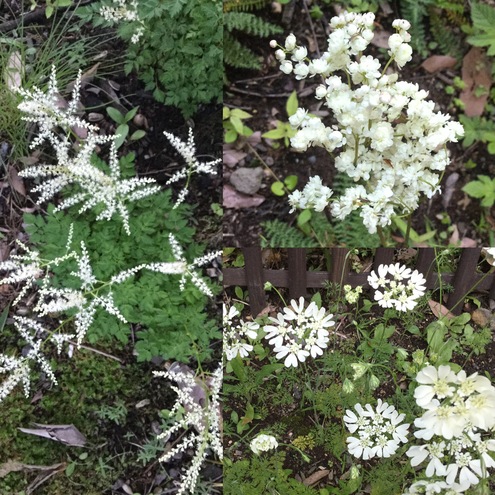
(263,443)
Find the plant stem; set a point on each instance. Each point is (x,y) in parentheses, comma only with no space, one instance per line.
(383,241)
(408,230)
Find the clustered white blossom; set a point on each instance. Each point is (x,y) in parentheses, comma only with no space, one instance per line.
(379,430)
(77,165)
(188,151)
(201,419)
(401,290)
(352,296)
(298,332)
(234,334)
(123,11)
(263,443)
(390,140)
(456,428)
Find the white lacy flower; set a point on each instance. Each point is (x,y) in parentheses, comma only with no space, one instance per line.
(314,195)
(435,383)
(298,333)
(390,141)
(401,290)
(234,335)
(263,443)
(379,431)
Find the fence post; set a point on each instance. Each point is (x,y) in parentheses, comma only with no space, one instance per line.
(464,278)
(383,256)
(339,265)
(254,279)
(297,272)
(426,266)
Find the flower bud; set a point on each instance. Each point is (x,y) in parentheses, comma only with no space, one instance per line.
(290,42)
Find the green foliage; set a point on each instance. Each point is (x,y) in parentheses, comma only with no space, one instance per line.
(179,55)
(280,234)
(243,5)
(279,188)
(449,42)
(386,477)
(478,129)
(483,188)
(123,127)
(233,124)
(483,17)
(262,475)
(235,20)
(171,321)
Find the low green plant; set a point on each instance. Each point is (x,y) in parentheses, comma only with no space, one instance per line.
(284,130)
(233,124)
(123,125)
(483,188)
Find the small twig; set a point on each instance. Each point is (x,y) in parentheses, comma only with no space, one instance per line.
(311,26)
(82,346)
(252,93)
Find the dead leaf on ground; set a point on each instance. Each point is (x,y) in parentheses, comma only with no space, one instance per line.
(436,63)
(14,71)
(86,78)
(439,310)
(232,157)
(66,434)
(381,38)
(315,477)
(14,466)
(476,74)
(234,199)
(16,182)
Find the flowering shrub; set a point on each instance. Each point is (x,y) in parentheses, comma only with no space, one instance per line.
(390,140)
(298,332)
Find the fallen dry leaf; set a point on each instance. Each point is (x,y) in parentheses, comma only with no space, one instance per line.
(86,78)
(381,38)
(66,434)
(436,63)
(16,182)
(315,477)
(14,466)
(234,199)
(14,71)
(232,157)
(440,310)
(476,74)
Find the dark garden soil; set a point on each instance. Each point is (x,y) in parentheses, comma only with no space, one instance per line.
(457,218)
(156,158)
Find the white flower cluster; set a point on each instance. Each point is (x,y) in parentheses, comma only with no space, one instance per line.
(299,332)
(235,334)
(188,151)
(457,419)
(121,11)
(391,140)
(263,443)
(401,290)
(314,195)
(77,166)
(202,417)
(379,430)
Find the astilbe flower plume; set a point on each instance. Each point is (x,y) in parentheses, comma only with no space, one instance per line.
(299,332)
(389,139)
(201,420)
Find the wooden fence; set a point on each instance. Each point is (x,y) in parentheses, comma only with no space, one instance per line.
(298,279)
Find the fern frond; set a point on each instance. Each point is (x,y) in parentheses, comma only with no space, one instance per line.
(243,5)
(449,42)
(279,234)
(237,55)
(250,24)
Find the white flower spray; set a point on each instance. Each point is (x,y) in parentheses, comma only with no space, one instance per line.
(389,139)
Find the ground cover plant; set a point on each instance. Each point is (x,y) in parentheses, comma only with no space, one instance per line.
(109,328)
(368,389)
(361,168)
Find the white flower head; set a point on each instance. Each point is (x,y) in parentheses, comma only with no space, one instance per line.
(263,443)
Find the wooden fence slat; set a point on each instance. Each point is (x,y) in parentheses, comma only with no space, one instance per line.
(425,264)
(297,273)
(254,279)
(465,278)
(383,256)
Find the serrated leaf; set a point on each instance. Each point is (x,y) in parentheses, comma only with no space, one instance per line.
(292,104)
(115,115)
(277,188)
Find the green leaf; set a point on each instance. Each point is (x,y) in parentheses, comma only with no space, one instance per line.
(122,131)
(130,114)
(292,104)
(484,188)
(304,217)
(225,113)
(291,182)
(237,123)
(230,136)
(277,133)
(239,292)
(277,188)
(240,114)
(49,11)
(137,135)
(69,470)
(115,115)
